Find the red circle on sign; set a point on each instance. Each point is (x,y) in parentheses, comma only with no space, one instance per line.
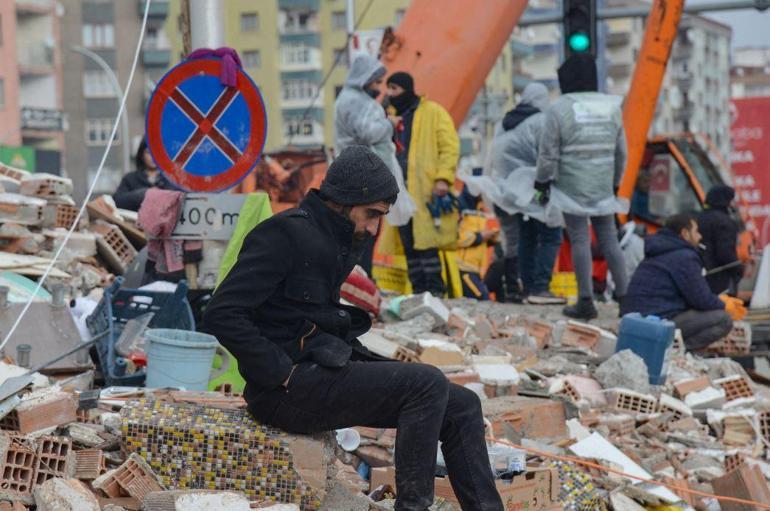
(250,156)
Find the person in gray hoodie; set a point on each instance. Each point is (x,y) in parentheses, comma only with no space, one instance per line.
(360,120)
(579,167)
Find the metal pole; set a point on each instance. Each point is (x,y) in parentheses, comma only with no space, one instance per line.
(639,12)
(207,24)
(350,13)
(118,95)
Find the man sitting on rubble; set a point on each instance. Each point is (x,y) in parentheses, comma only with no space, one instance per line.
(669,283)
(279,314)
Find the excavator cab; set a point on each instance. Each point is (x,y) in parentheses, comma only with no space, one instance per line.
(674,177)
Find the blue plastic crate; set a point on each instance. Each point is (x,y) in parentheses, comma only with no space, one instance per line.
(118,306)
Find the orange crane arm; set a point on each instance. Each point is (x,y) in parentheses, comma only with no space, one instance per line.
(642,97)
(450,46)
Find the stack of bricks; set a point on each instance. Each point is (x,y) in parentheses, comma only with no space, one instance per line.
(196,447)
(735,387)
(628,401)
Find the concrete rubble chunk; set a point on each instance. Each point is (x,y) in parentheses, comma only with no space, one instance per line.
(195,500)
(624,369)
(65,495)
(424,303)
(134,478)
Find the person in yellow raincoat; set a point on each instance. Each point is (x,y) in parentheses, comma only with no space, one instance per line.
(472,247)
(427,148)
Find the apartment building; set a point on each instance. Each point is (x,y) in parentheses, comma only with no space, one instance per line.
(750,72)
(31,118)
(99,39)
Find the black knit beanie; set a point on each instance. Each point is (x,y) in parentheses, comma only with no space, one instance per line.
(402,79)
(357,177)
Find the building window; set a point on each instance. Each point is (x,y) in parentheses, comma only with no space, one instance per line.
(298,127)
(252,58)
(299,89)
(96,84)
(339,20)
(249,22)
(298,22)
(341,56)
(296,54)
(2,93)
(99,36)
(399,16)
(98,132)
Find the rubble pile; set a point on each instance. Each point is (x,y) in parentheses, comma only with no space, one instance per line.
(36,210)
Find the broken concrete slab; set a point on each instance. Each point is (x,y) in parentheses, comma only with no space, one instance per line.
(65,495)
(195,500)
(624,369)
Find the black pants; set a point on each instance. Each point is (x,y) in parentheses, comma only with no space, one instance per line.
(702,328)
(416,399)
(474,286)
(423,266)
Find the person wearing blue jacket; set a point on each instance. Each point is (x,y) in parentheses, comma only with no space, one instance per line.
(670,283)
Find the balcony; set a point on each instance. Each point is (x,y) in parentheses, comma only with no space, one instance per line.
(618,38)
(34,6)
(543,49)
(620,69)
(303,101)
(520,49)
(684,82)
(35,59)
(158,8)
(300,58)
(296,22)
(156,57)
(309,5)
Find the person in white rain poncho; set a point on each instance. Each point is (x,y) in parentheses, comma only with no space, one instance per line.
(532,233)
(360,120)
(579,167)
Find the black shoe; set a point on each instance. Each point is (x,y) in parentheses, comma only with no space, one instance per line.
(584,309)
(515,297)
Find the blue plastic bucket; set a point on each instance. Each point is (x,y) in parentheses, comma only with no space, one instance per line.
(179,358)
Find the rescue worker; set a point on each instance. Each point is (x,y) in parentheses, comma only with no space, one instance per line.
(360,120)
(428,150)
(530,245)
(278,312)
(669,283)
(130,192)
(720,236)
(579,167)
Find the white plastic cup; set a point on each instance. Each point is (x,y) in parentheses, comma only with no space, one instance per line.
(349,439)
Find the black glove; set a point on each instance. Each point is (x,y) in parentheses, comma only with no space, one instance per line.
(542,192)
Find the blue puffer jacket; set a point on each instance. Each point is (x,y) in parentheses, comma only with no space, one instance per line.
(670,279)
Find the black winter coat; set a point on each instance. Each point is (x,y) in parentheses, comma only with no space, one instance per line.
(279,305)
(720,236)
(670,279)
(133,186)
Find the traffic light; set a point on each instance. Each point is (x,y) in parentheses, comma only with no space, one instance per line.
(579,26)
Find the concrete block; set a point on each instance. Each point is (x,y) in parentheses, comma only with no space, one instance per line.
(709,397)
(440,353)
(55,458)
(684,387)
(580,335)
(628,401)
(134,478)
(735,387)
(195,500)
(65,495)
(671,405)
(424,303)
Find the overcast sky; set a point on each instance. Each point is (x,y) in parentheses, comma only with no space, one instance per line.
(750,27)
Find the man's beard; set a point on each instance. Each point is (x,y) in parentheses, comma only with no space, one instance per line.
(361,240)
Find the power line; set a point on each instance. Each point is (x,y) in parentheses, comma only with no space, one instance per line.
(333,67)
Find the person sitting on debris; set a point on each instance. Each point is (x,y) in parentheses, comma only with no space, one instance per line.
(720,236)
(472,244)
(581,161)
(669,283)
(278,312)
(134,185)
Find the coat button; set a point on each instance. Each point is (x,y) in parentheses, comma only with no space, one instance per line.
(341,314)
